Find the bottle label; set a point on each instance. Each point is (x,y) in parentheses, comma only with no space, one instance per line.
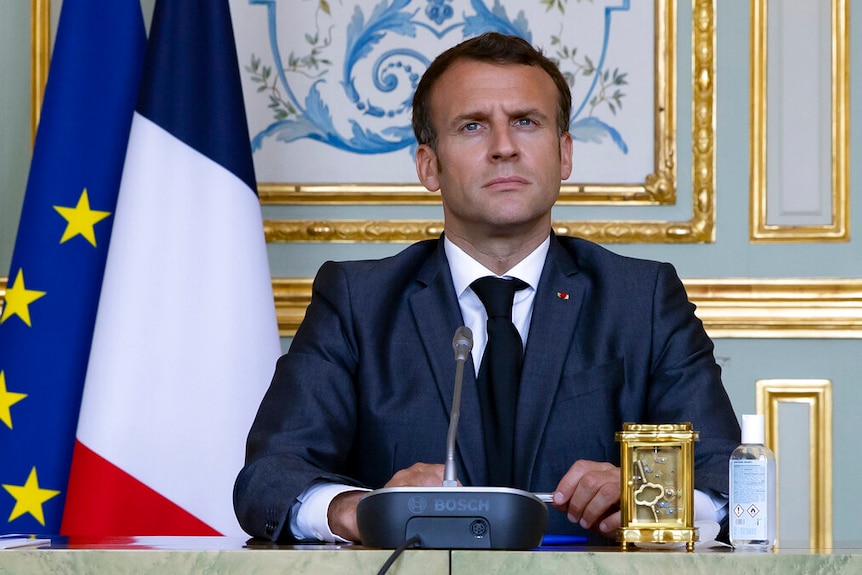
(749,503)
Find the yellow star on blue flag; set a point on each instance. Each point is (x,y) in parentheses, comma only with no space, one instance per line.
(18,300)
(7,400)
(29,498)
(81,220)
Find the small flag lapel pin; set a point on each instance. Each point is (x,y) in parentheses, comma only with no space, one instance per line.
(563,295)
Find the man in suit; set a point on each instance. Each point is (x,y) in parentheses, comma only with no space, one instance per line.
(363,397)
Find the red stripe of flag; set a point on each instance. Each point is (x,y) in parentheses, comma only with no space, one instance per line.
(105,496)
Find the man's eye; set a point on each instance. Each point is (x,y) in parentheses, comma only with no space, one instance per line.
(525,122)
(471,127)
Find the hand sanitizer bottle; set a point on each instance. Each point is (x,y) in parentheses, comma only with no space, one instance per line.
(752,489)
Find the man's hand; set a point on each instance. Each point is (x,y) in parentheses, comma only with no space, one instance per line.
(341,515)
(589,494)
(419,475)
(342,511)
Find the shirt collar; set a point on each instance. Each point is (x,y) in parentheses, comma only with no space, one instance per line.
(465,269)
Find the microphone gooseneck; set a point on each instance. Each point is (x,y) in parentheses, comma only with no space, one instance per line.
(462,344)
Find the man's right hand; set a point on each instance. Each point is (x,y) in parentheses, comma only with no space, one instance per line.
(342,511)
(341,515)
(419,475)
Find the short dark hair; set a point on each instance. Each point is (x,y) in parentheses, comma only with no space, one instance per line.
(491,47)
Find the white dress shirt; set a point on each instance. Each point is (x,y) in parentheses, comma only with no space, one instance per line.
(465,270)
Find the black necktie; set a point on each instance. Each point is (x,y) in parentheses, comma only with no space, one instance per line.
(499,375)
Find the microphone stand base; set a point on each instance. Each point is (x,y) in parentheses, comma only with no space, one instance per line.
(452,518)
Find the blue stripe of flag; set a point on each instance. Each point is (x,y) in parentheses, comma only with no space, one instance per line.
(191,77)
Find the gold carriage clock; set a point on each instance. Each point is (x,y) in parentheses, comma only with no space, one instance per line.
(657,484)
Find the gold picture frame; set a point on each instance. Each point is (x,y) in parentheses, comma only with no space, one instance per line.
(660,187)
(838,230)
(817,394)
(40,58)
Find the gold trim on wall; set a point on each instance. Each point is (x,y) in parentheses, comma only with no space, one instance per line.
(817,394)
(292,296)
(778,308)
(700,228)
(839,228)
(40,58)
(729,308)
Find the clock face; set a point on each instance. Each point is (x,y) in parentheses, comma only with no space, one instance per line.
(656,484)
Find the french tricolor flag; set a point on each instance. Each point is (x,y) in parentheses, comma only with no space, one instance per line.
(186,338)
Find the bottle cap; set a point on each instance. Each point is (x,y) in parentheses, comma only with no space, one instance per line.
(752,429)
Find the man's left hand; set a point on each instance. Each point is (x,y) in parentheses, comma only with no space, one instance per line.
(589,494)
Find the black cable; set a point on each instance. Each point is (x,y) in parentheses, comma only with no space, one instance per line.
(414,541)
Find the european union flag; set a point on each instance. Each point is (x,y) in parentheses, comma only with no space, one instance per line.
(47,318)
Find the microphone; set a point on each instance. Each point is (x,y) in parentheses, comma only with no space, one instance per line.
(452,517)
(462,343)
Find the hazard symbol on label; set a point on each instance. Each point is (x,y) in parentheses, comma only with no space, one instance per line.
(738,510)
(753,510)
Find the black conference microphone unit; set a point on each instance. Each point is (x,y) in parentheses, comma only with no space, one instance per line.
(449,516)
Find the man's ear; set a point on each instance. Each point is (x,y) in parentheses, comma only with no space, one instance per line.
(565,156)
(427,168)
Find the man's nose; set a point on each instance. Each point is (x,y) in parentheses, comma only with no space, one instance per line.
(504,145)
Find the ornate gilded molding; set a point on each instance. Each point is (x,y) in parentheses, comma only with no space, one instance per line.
(839,228)
(817,394)
(351,230)
(700,228)
(779,308)
(40,58)
(729,308)
(292,296)
(658,188)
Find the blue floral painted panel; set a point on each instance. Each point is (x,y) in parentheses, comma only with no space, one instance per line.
(348,84)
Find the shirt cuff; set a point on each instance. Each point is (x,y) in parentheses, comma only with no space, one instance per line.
(309,517)
(709,506)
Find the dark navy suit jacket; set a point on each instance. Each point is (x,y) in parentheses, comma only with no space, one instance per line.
(366,387)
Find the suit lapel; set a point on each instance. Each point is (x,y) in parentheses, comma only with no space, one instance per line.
(437,315)
(555,315)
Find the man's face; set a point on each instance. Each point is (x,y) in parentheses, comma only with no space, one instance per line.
(499,158)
